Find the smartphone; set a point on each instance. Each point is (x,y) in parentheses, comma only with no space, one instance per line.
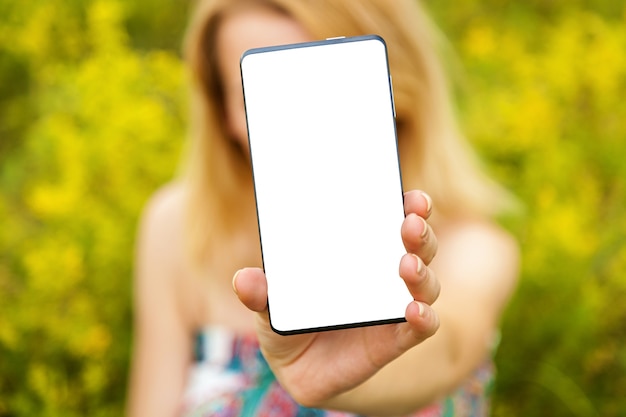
(326,170)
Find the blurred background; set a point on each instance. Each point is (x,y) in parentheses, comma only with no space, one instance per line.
(92,120)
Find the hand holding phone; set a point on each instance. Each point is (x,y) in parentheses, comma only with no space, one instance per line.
(316,367)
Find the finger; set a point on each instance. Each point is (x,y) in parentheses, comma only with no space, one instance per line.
(418,237)
(418,202)
(422,322)
(420,279)
(250,286)
(422,319)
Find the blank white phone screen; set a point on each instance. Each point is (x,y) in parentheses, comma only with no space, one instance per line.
(327,183)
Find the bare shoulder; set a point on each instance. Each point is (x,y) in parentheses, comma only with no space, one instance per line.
(482,236)
(479,257)
(164,211)
(160,238)
(163,217)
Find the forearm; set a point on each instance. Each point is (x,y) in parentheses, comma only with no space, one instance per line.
(421,376)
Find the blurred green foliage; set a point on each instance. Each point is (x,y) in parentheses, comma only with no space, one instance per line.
(90,126)
(92,121)
(543,100)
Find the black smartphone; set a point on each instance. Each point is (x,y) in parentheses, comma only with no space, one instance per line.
(323,148)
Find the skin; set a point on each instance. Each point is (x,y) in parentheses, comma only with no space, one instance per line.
(381,370)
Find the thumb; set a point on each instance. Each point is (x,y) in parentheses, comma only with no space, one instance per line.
(250,286)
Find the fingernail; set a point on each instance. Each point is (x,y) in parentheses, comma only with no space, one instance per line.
(425,231)
(421,309)
(429,203)
(421,267)
(234,278)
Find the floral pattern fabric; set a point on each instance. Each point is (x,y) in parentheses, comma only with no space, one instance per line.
(232,379)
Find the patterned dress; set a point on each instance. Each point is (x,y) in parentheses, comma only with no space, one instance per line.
(231,379)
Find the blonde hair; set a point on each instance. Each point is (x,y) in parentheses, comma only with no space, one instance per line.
(434,156)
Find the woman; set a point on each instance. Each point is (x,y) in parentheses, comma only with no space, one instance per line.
(199,231)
